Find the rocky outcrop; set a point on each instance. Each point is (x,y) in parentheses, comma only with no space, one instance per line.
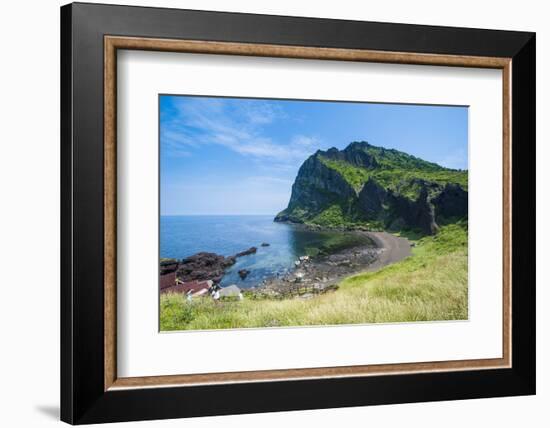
(204,266)
(372,198)
(251,250)
(398,201)
(396,211)
(316,187)
(404,213)
(353,154)
(243,273)
(452,202)
(168,266)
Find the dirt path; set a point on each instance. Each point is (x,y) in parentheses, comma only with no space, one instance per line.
(395,249)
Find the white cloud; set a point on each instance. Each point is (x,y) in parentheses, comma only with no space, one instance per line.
(261,113)
(239,128)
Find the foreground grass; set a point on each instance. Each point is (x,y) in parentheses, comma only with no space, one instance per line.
(432,284)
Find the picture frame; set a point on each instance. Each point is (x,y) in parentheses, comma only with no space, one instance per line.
(91,390)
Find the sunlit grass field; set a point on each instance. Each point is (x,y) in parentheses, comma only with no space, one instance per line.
(430,285)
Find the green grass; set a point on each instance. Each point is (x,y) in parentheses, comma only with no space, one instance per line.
(394,159)
(332,216)
(397,179)
(335,216)
(432,284)
(333,242)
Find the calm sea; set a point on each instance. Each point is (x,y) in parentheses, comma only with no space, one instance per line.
(183,236)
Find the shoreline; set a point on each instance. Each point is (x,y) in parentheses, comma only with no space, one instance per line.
(317,275)
(311,274)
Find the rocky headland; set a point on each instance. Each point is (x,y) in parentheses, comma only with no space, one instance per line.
(364,186)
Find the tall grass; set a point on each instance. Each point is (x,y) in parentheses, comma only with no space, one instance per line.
(432,284)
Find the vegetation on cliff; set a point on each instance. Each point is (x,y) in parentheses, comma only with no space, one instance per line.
(376,188)
(398,179)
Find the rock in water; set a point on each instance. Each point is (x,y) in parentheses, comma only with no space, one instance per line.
(251,250)
(204,266)
(265,244)
(243,273)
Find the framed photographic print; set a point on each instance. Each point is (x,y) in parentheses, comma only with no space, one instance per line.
(292,213)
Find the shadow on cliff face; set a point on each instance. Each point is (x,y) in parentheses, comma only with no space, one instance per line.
(374,185)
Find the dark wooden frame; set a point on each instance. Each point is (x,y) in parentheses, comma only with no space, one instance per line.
(89,36)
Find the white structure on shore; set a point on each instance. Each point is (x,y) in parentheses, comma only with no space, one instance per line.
(231,291)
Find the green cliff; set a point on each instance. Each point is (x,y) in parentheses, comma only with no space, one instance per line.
(376,188)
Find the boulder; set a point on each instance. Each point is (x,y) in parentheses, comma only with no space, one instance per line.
(243,273)
(251,250)
(204,266)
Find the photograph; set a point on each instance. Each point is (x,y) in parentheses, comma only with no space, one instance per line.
(285,213)
(279,210)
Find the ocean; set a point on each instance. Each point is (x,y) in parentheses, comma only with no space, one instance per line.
(183,236)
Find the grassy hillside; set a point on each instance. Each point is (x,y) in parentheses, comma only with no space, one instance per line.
(394,159)
(396,178)
(432,284)
(346,215)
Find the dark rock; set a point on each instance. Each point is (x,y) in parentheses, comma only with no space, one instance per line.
(168,266)
(353,154)
(204,266)
(229,261)
(251,250)
(265,244)
(451,202)
(412,203)
(405,213)
(243,273)
(316,187)
(372,197)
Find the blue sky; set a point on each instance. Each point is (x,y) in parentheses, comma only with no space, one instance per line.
(224,156)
